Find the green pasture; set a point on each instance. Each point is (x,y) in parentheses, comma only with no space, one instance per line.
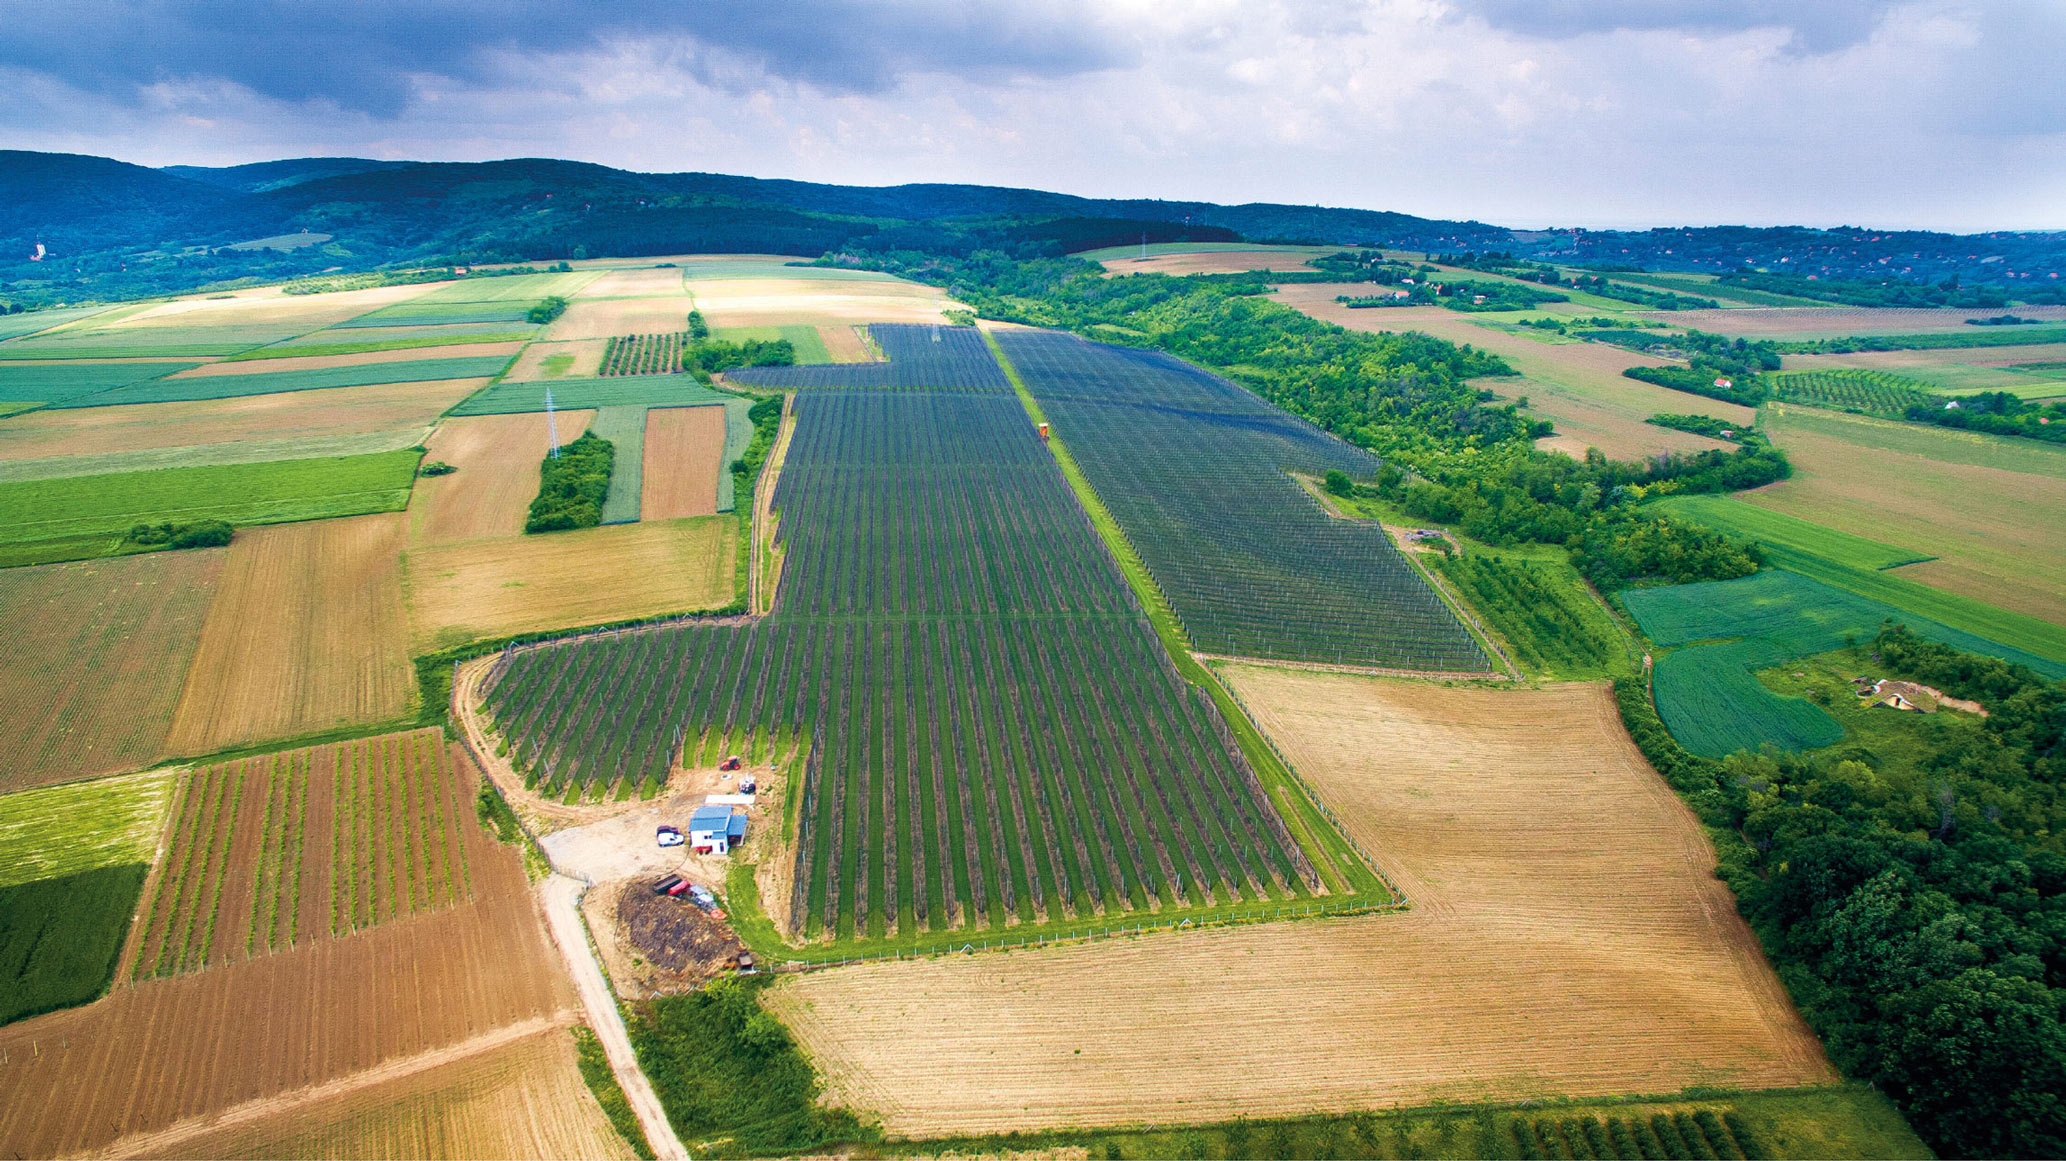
(274,382)
(30,321)
(84,516)
(64,384)
(53,831)
(243,451)
(418,313)
(1711,700)
(626,428)
(519,288)
(1779,530)
(60,937)
(619,391)
(809,344)
(738,435)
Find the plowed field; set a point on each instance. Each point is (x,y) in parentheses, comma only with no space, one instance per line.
(1566,937)
(166,1054)
(307,632)
(683,448)
(497,457)
(521,1098)
(97,653)
(331,411)
(593,576)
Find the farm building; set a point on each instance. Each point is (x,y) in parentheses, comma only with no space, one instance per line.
(715,830)
(1905,695)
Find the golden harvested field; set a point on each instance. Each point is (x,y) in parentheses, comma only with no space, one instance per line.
(744,302)
(1567,936)
(574,359)
(513,1098)
(1578,385)
(592,576)
(1215,262)
(306,311)
(646,283)
(683,447)
(306,633)
(845,345)
(594,318)
(497,457)
(1806,322)
(332,411)
(97,654)
(356,359)
(1991,508)
(157,1060)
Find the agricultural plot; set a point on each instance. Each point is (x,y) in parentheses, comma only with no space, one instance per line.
(1778,530)
(52,831)
(222,386)
(1991,509)
(84,516)
(1197,473)
(199,327)
(937,357)
(59,938)
(507,398)
(496,457)
(1880,393)
(306,633)
(357,340)
(1543,611)
(685,451)
(29,322)
(626,428)
(269,852)
(522,1098)
(656,354)
(66,384)
(1711,700)
(1831,321)
(1566,939)
(163,1055)
(994,734)
(807,341)
(581,359)
(755,295)
(607,318)
(420,313)
(97,655)
(593,576)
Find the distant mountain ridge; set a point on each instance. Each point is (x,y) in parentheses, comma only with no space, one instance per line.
(111,229)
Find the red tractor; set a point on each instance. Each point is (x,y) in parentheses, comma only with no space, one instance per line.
(733,762)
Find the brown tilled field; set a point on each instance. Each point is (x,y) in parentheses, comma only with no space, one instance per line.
(168,1055)
(307,632)
(593,576)
(1577,385)
(97,654)
(268,853)
(288,415)
(497,457)
(844,344)
(1567,936)
(575,359)
(683,448)
(513,1098)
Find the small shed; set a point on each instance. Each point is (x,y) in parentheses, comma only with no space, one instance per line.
(715,830)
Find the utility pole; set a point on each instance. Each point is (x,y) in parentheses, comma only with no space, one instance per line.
(552,427)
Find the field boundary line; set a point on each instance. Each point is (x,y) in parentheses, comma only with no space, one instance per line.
(162,1140)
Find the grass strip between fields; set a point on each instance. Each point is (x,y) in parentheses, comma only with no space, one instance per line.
(1333,856)
(316,350)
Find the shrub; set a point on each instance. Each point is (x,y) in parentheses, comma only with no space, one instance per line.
(200,534)
(547,310)
(1696,1142)
(436,468)
(572,486)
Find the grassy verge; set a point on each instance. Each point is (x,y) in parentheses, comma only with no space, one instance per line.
(595,1070)
(1341,868)
(1847,1121)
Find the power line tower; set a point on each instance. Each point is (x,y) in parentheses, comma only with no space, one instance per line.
(552,427)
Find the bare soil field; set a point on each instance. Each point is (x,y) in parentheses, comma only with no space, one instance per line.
(513,1098)
(356,359)
(169,1055)
(1992,509)
(523,584)
(574,359)
(741,302)
(684,447)
(497,457)
(1577,385)
(845,345)
(1772,322)
(1215,262)
(307,633)
(1567,937)
(97,654)
(593,318)
(323,413)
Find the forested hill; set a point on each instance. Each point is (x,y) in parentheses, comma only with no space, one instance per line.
(112,230)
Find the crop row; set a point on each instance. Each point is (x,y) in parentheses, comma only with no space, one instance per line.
(937,357)
(994,733)
(395,835)
(1198,473)
(1852,389)
(655,354)
(1680,1136)
(178,929)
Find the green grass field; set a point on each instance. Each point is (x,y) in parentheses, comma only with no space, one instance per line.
(30,321)
(1711,700)
(242,451)
(65,384)
(274,382)
(54,831)
(618,391)
(82,516)
(625,427)
(331,343)
(809,344)
(60,938)
(1856,565)
(1541,608)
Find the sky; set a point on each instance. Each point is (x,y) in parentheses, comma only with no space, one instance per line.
(1527,113)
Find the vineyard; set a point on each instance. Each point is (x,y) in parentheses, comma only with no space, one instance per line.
(1196,471)
(993,733)
(1543,611)
(1852,389)
(273,851)
(939,357)
(659,354)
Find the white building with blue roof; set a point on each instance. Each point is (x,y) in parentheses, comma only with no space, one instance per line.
(715,830)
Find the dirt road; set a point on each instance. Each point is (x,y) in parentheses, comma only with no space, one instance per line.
(563,912)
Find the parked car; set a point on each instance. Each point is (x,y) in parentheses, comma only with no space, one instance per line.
(669,836)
